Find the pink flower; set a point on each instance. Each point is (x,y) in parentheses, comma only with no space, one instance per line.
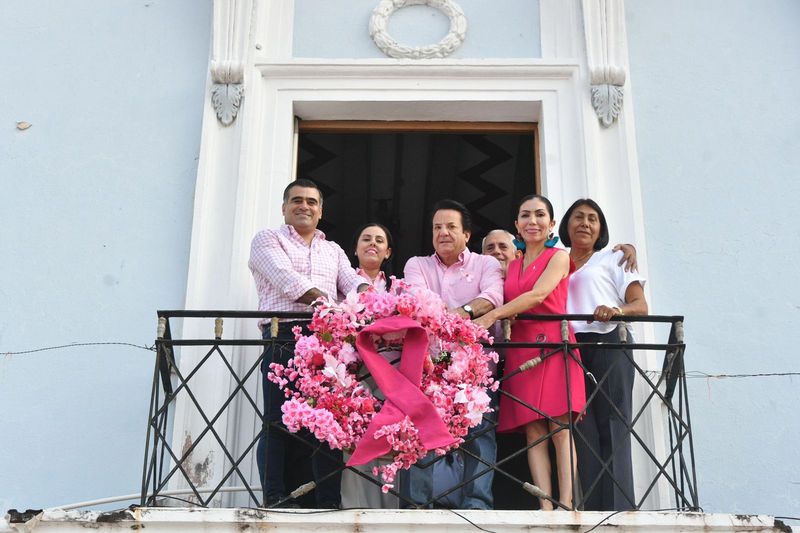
(325,396)
(337,371)
(348,354)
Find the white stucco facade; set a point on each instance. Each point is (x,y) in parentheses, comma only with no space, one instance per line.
(119,202)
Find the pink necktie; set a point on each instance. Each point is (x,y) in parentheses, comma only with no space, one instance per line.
(401,389)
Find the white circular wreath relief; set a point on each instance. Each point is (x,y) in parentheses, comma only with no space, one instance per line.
(390,47)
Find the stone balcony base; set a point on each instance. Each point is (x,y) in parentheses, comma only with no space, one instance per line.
(154,520)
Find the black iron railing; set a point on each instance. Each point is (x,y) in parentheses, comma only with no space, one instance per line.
(174,475)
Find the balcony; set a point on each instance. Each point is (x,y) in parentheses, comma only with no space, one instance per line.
(659,429)
(206,416)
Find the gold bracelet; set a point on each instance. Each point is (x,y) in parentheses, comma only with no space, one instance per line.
(621,313)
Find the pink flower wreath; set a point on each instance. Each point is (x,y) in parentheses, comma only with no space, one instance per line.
(327,394)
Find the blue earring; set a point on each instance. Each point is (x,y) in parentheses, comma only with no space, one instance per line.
(519,244)
(552,241)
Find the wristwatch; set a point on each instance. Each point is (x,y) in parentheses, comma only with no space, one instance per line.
(468,309)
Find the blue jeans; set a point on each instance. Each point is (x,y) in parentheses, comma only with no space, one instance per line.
(478,493)
(276,449)
(416,483)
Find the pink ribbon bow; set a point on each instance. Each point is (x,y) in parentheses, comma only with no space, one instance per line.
(401,389)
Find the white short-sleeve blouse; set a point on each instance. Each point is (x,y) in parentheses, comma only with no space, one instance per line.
(601,281)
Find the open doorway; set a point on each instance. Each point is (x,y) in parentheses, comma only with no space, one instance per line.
(393,173)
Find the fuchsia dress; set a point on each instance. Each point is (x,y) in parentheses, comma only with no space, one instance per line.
(544,386)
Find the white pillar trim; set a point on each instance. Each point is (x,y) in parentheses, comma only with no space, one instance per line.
(230,38)
(604,30)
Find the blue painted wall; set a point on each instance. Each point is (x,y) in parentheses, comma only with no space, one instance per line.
(95,219)
(340,28)
(715,92)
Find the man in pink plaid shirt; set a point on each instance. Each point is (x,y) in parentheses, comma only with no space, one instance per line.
(293,266)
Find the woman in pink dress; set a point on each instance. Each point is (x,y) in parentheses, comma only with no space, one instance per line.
(537,284)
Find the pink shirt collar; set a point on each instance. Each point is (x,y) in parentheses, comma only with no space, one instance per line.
(379,282)
(462,257)
(292,233)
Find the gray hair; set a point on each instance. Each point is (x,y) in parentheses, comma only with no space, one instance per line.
(508,233)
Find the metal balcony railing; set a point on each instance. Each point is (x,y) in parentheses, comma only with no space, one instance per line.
(659,427)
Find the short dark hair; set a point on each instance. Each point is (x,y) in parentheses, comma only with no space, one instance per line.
(302,182)
(543,199)
(466,218)
(386,265)
(563,228)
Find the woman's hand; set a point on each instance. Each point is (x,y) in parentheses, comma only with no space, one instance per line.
(604,313)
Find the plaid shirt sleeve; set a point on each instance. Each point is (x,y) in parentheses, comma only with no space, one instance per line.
(270,260)
(347,280)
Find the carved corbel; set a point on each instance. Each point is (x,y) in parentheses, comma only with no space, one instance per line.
(604,26)
(231,35)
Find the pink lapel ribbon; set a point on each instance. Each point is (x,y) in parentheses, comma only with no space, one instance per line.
(401,389)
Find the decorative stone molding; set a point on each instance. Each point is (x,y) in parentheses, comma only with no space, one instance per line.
(230,37)
(607,102)
(226,99)
(386,8)
(604,28)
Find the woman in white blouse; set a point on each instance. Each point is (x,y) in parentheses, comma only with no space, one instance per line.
(601,287)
